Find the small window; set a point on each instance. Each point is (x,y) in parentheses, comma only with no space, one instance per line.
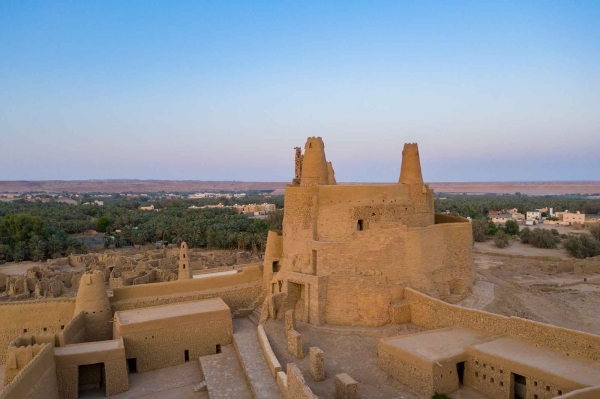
(45,328)
(218,348)
(547,388)
(184,266)
(62,327)
(501,384)
(24,330)
(559,392)
(360,225)
(187,355)
(275,266)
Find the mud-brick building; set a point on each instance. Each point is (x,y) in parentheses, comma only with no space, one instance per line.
(347,251)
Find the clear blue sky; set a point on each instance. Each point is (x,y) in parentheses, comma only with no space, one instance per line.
(491,90)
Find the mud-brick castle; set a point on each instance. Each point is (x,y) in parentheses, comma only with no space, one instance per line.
(348,255)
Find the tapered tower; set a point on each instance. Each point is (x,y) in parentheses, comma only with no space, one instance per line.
(314,163)
(410,171)
(184,262)
(92,299)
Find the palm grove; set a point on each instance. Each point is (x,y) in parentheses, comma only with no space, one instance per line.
(37,231)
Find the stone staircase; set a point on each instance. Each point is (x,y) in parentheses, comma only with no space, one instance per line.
(254,317)
(224,377)
(245,341)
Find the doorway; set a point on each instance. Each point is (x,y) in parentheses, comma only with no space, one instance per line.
(460,371)
(520,386)
(91,379)
(186,354)
(132,365)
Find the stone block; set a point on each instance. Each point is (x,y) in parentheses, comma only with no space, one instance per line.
(317,364)
(295,344)
(290,320)
(345,387)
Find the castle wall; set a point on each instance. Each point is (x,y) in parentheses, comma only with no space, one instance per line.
(37,380)
(155,349)
(74,332)
(432,313)
(239,290)
(35,317)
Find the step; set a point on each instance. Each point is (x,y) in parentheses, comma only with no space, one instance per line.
(245,341)
(224,376)
(255,317)
(200,387)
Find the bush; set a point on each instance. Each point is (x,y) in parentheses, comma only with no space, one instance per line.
(595,231)
(501,239)
(511,227)
(480,229)
(525,234)
(542,238)
(583,246)
(555,232)
(440,396)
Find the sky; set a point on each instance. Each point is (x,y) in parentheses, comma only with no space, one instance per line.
(223,90)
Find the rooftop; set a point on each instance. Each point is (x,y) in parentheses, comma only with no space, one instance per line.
(437,345)
(525,358)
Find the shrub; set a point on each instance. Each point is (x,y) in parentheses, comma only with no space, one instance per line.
(440,396)
(595,231)
(480,229)
(542,238)
(511,227)
(501,239)
(525,234)
(555,232)
(583,246)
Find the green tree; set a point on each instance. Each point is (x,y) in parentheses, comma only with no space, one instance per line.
(21,227)
(511,227)
(595,231)
(480,229)
(583,246)
(501,239)
(525,234)
(103,224)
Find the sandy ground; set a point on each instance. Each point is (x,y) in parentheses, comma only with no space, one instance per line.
(521,287)
(175,382)
(517,248)
(17,268)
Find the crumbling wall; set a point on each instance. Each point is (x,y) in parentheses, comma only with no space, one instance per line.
(37,380)
(296,385)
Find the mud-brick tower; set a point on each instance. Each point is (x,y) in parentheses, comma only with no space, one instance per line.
(314,164)
(410,171)
(184,263)
(92,299)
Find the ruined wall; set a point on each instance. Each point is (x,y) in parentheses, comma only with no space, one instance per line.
(432,313)
(35,317)
(296,385)
(409,374)
(37,380)
(166,347)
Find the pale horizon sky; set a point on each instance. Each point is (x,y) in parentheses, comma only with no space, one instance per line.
(491,91)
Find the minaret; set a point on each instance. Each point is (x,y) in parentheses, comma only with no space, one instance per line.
(184,263)
(93,300)
(331,174)
(410,172)
(314,164)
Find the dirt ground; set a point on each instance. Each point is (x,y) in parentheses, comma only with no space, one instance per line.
(517,248)
(523,287)
(349,350)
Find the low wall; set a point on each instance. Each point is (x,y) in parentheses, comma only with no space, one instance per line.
(268,353)
(74,332)
(586,393)
(432,313)
(37,380)
(33,317)
(296,385)
(247,275)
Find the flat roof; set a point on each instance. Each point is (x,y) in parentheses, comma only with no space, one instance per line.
(548,361)
(166,316)
(87,347)
(437,345)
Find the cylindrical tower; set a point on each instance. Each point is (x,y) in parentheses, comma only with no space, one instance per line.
(314,164)
(184,263)
(410,171)
(93,300)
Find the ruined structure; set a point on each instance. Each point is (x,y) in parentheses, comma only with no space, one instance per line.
(185,272)
(347,251)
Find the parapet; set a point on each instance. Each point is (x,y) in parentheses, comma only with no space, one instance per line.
(410,171)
